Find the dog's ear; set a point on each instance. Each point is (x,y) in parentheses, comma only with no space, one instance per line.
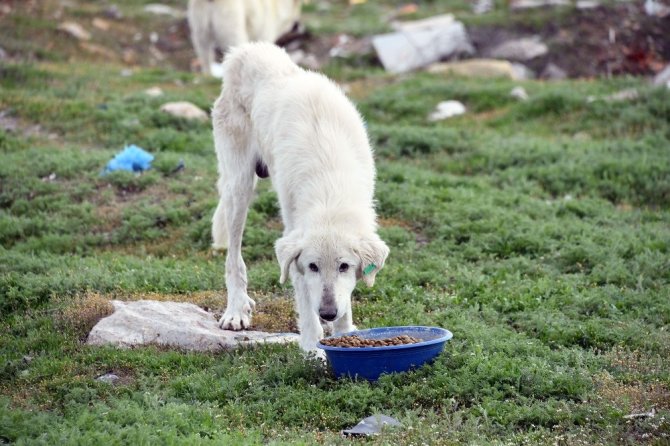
(372,252)
(288,250)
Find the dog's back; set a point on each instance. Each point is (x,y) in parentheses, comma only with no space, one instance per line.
(299,123)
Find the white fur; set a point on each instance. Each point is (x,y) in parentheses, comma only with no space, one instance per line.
(225,23)
(314,143)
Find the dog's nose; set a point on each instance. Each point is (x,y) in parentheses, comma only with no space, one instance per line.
(328,314)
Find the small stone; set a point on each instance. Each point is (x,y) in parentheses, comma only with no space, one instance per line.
(97,50)
(520,49)
(629,94)
(553,72)
(153,92)
(447,109)
(101,24)
(519,93)
(129,56)
(75,30)
(113,12)
(372,425)
(663,77)
(587,4)
(108,378)
(186,110)
(161,9)
(529,4)
(483,68)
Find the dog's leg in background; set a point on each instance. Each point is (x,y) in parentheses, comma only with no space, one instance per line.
(199,21)
(204,49)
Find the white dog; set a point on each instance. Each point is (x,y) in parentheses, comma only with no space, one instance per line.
(225,23)
(275,118)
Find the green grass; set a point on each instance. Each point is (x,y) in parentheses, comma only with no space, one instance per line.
(538,232)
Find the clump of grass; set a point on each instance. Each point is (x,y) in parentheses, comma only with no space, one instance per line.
(275,315)
(81,315)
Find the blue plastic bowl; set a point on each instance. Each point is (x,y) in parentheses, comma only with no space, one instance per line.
(371,362)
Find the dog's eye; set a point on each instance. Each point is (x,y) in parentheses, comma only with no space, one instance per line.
(344,267)
(313,267)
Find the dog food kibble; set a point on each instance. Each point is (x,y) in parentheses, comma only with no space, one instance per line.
(357,341)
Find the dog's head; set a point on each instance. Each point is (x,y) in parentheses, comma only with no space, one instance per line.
(327,265)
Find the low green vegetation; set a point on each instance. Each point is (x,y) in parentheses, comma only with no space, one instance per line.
(538,232)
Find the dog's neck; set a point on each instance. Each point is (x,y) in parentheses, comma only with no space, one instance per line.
(344,217)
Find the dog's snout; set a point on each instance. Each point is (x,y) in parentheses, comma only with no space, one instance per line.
(328,308)
(328,314)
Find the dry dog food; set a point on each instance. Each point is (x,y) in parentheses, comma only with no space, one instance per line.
(357,341)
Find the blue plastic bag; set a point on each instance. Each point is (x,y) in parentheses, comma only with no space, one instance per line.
(132,159)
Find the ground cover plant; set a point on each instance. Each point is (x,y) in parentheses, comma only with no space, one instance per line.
(537,231)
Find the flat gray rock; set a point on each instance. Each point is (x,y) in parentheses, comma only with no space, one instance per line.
(420,43)
(174,324)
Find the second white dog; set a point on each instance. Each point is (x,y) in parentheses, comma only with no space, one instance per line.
(225,23)
(273,117)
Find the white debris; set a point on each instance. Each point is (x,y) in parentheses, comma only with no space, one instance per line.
(553,72)
(656,8)
(108,378)
(101,24)
(587,4)
(447,109)
(161,9)
(420,43)
(663,77)
(184,109)
(519,93)
(528,4)
(482,6)
(75,30)
(629,94)
(173,324)
(154,92)
(483,68)
(526,48)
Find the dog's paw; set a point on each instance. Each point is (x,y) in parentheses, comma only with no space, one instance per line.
(316,353)
(238,314)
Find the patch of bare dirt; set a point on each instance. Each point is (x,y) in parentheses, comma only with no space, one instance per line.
(607,40)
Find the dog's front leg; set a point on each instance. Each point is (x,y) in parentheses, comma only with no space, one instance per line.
(344,324)
(235,197)
(309,324)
